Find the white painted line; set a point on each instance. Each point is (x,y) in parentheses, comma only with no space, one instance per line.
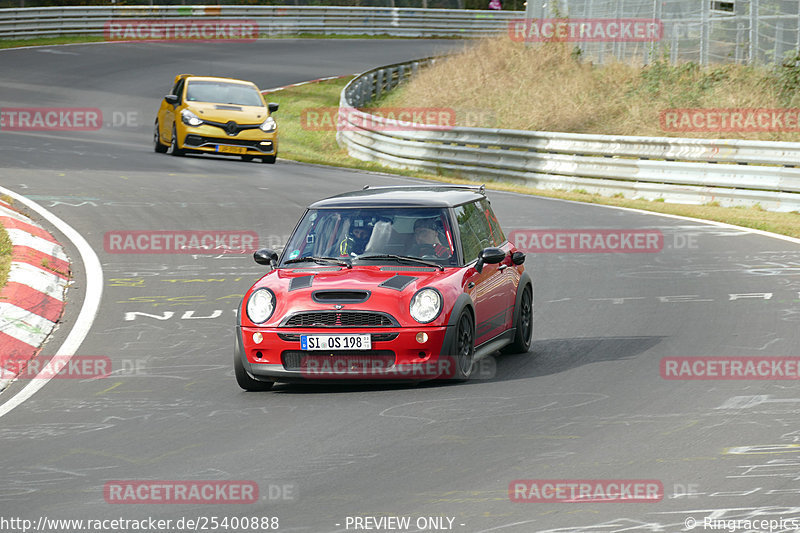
(23,238)
(712,223)
(39,279)
(86,316)
(666,215)
(24,325)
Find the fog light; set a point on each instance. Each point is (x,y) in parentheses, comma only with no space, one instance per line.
(257,337)
(422,337)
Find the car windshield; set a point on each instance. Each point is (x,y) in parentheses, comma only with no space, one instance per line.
(223,93)
(372,235)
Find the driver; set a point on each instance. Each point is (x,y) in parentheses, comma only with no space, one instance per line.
(357,238)
(426,239)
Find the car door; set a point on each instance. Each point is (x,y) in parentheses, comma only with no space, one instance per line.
(510,271)
(171,111)
(486,288)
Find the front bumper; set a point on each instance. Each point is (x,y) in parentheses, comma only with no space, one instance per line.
(211,139)
(396,355)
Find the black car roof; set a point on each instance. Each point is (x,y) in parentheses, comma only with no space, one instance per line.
(409,196)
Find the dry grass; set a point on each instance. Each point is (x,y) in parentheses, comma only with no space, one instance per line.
(320,147)
(546,88)
(5,256)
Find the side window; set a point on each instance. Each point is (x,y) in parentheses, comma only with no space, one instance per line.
(496,235)
(474,229)
(178,89)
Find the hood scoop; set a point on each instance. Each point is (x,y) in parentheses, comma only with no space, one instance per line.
(301,282)
(228,107)
(397,282)
(340,296)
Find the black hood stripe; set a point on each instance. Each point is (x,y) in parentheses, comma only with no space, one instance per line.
(398,282)
(301,282)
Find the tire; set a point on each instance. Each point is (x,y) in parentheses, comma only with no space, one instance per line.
(464,347)
(158,146)
(244,380)
(270,159)
(173,145)
(524,325)
(247,158)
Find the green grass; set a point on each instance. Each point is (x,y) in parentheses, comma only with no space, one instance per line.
(5,256)
(45,41)
(78,39)
(307,145)
(320,147)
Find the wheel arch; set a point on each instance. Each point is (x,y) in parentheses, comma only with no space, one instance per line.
(524,280)
(463,302)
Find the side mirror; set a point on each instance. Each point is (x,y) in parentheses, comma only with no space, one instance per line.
(272,106)
(171,99)
(265,256)
(489,256)
(517,258)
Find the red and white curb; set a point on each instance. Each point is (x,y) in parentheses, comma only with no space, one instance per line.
(32,301)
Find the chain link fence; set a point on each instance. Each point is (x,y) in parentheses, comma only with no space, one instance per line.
(703,31)
(434,4)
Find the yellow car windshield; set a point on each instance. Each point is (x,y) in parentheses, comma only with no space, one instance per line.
(223,93)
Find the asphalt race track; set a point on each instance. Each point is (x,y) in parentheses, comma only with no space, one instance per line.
(588,403)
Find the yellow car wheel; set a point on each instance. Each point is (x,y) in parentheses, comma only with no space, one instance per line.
(157,144)
(173,147)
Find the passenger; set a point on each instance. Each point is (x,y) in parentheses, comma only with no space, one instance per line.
(426,240)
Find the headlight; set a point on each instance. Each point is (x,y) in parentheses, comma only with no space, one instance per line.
(268,125)
(260,306)
(426,305)
(190,119)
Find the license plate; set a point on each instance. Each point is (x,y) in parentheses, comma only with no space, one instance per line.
(221,148)
(336,342)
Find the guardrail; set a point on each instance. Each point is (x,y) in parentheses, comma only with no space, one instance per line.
(731,172)
(271,20)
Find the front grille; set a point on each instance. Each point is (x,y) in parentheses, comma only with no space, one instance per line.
(199,141)
(339,319)
(299,360)
(232,127)
(376,337)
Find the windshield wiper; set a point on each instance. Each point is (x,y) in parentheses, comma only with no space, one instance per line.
(320,260)
(402,258)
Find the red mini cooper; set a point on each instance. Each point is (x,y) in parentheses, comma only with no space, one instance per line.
(400,283)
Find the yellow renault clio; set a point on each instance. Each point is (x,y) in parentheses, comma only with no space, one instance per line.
(216,115)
